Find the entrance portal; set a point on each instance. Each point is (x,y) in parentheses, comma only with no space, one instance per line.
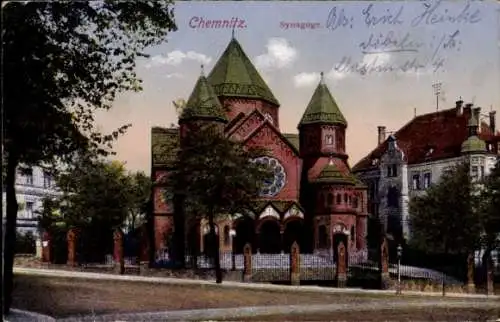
(245,233)
(270,237)
(337,238)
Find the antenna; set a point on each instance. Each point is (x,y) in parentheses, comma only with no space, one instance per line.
(437,92)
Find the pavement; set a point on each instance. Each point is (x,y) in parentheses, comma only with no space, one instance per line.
(467,300)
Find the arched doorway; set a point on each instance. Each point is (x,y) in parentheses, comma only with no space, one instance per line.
(270,237)
(294,232)
(337,238)
(245,233)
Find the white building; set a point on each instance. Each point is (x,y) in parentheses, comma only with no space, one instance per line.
(31,189)
(412,158)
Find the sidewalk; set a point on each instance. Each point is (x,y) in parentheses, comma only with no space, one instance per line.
(254,286)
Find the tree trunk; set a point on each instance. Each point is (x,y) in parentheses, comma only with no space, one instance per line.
(215,247)
(444,273)
(10,231)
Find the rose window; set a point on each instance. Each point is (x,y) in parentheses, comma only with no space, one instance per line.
(273,185)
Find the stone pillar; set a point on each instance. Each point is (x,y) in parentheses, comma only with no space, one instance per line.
(119,258)
(490,290)
(295,264)
(247,263)
(341,266)
(46,247)
(385,278)
(72,237)
(471,287)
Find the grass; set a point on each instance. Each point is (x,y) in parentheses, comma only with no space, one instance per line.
(63,297)
(428,314)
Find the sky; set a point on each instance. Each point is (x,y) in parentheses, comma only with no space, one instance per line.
(380,61)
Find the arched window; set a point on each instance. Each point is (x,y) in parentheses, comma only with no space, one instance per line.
(322,200)
(339,199)
(353,235)
(227,239)
(355,202)
(345,198)
(329,199)
(329,140)
(393,197)
(322,237)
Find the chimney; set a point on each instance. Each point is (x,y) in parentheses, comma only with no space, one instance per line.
(458,107)
(381,134)
(477,116)
(468,108)
(492,122)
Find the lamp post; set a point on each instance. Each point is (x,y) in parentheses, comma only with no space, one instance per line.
(400,253)
(232,233)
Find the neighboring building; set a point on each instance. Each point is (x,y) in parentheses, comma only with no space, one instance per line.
(409,160)
(314,198)
(31,188)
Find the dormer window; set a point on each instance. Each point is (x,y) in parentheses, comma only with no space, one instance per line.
(429,152)
(374,161)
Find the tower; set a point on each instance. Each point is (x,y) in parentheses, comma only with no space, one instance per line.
(474,148)
(202,108)
(328,189)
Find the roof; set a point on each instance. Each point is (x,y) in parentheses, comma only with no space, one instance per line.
(432,136)
(322,108)
(203,103)
(234,75)
(332,174)
(164,144)
(293,138)
(473,144)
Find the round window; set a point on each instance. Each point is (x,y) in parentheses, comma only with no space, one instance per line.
(273,185)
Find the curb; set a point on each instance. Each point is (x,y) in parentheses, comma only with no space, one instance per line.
(250,286)
(21,316)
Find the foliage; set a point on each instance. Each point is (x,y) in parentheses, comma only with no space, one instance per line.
(445,218)
(25,243)
(490,208)
(215,174)
(138,192)
(64,60)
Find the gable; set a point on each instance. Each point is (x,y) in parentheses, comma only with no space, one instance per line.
(269,211)
(247,126)
(164,144)
(266,135)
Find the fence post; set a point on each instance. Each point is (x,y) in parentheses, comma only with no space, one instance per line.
(119,258)
(295,264)
(471,287)
(341,266)
(247,263)
(71,237)
(490,290)
(46,247)
(384,265)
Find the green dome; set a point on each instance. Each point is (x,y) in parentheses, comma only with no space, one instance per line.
(331,174)
(473,144)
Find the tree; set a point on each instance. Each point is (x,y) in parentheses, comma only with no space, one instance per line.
(64,60)
(215,176)
(98,197)
(444,219)
(489,213)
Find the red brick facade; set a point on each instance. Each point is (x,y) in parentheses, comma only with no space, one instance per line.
(299,210)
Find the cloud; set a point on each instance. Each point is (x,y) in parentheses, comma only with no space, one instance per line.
(312,79)
(173,75)
(280,54)
(176,57)
(306,79)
